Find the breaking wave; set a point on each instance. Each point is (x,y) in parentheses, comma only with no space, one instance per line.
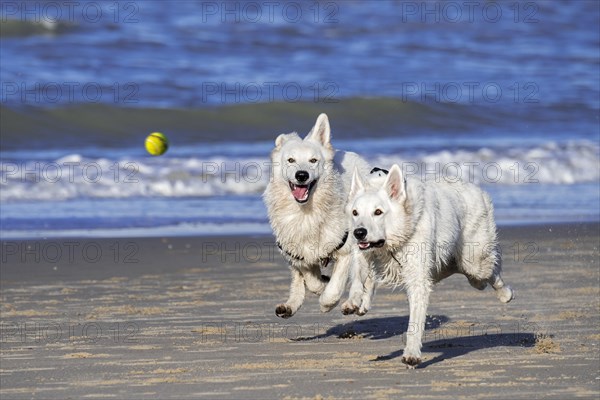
(76,176)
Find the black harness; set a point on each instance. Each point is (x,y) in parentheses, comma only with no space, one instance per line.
(323,261)
(377,169)
(395,259)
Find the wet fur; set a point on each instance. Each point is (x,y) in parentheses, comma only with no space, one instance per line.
(312,231)
(431,231)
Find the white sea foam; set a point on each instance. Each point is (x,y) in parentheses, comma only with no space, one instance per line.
(551,163)
(74,176)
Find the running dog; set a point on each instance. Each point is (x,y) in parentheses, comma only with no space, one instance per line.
(414,234)
(306,198)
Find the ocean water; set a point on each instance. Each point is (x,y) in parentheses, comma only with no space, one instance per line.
(503,94)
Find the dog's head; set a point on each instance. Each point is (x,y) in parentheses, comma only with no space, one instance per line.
(377,208)
(301,163)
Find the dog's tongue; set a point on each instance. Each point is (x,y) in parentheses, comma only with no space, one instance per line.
(300,192)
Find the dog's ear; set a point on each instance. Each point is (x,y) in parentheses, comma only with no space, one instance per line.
(284,137)
(395,185)
(321,132)
(357,184)
(280,140)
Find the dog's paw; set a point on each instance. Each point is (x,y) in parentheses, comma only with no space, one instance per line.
(328,301)
(349,308)
(411,361)
(283,311)
(327,306)
(505,294)
(362,311)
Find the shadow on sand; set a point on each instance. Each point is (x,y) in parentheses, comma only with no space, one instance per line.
(451,340)
(459,346)
(375,328)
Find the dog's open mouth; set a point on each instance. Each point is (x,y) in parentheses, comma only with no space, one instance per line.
(368,245)
(301,192)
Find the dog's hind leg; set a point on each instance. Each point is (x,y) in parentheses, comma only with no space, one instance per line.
(296,298)
(337,283)
(476,283)
(503,291)
(479,263)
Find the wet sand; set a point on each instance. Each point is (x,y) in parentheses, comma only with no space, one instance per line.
(194,318)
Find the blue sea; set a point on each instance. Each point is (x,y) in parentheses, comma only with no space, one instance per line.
(505,94)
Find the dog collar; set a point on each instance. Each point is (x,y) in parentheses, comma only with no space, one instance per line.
(323,260)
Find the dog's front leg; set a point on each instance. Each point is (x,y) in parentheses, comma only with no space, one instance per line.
(362,287)
(337,283)
(368,294)
(418,290)
(313,279)
(296,297)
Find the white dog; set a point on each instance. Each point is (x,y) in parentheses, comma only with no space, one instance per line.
(306,198)
(417,233)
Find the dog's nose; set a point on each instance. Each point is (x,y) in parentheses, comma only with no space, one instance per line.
(302,176)
(360,233)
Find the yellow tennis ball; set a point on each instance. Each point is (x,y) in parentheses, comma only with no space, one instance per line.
(157,144)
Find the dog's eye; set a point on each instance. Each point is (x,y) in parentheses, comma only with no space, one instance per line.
(291,160)
(354,212)
(312,160)
(378,212)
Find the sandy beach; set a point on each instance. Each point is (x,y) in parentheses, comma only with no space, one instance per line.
(193,317)
(178,298)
